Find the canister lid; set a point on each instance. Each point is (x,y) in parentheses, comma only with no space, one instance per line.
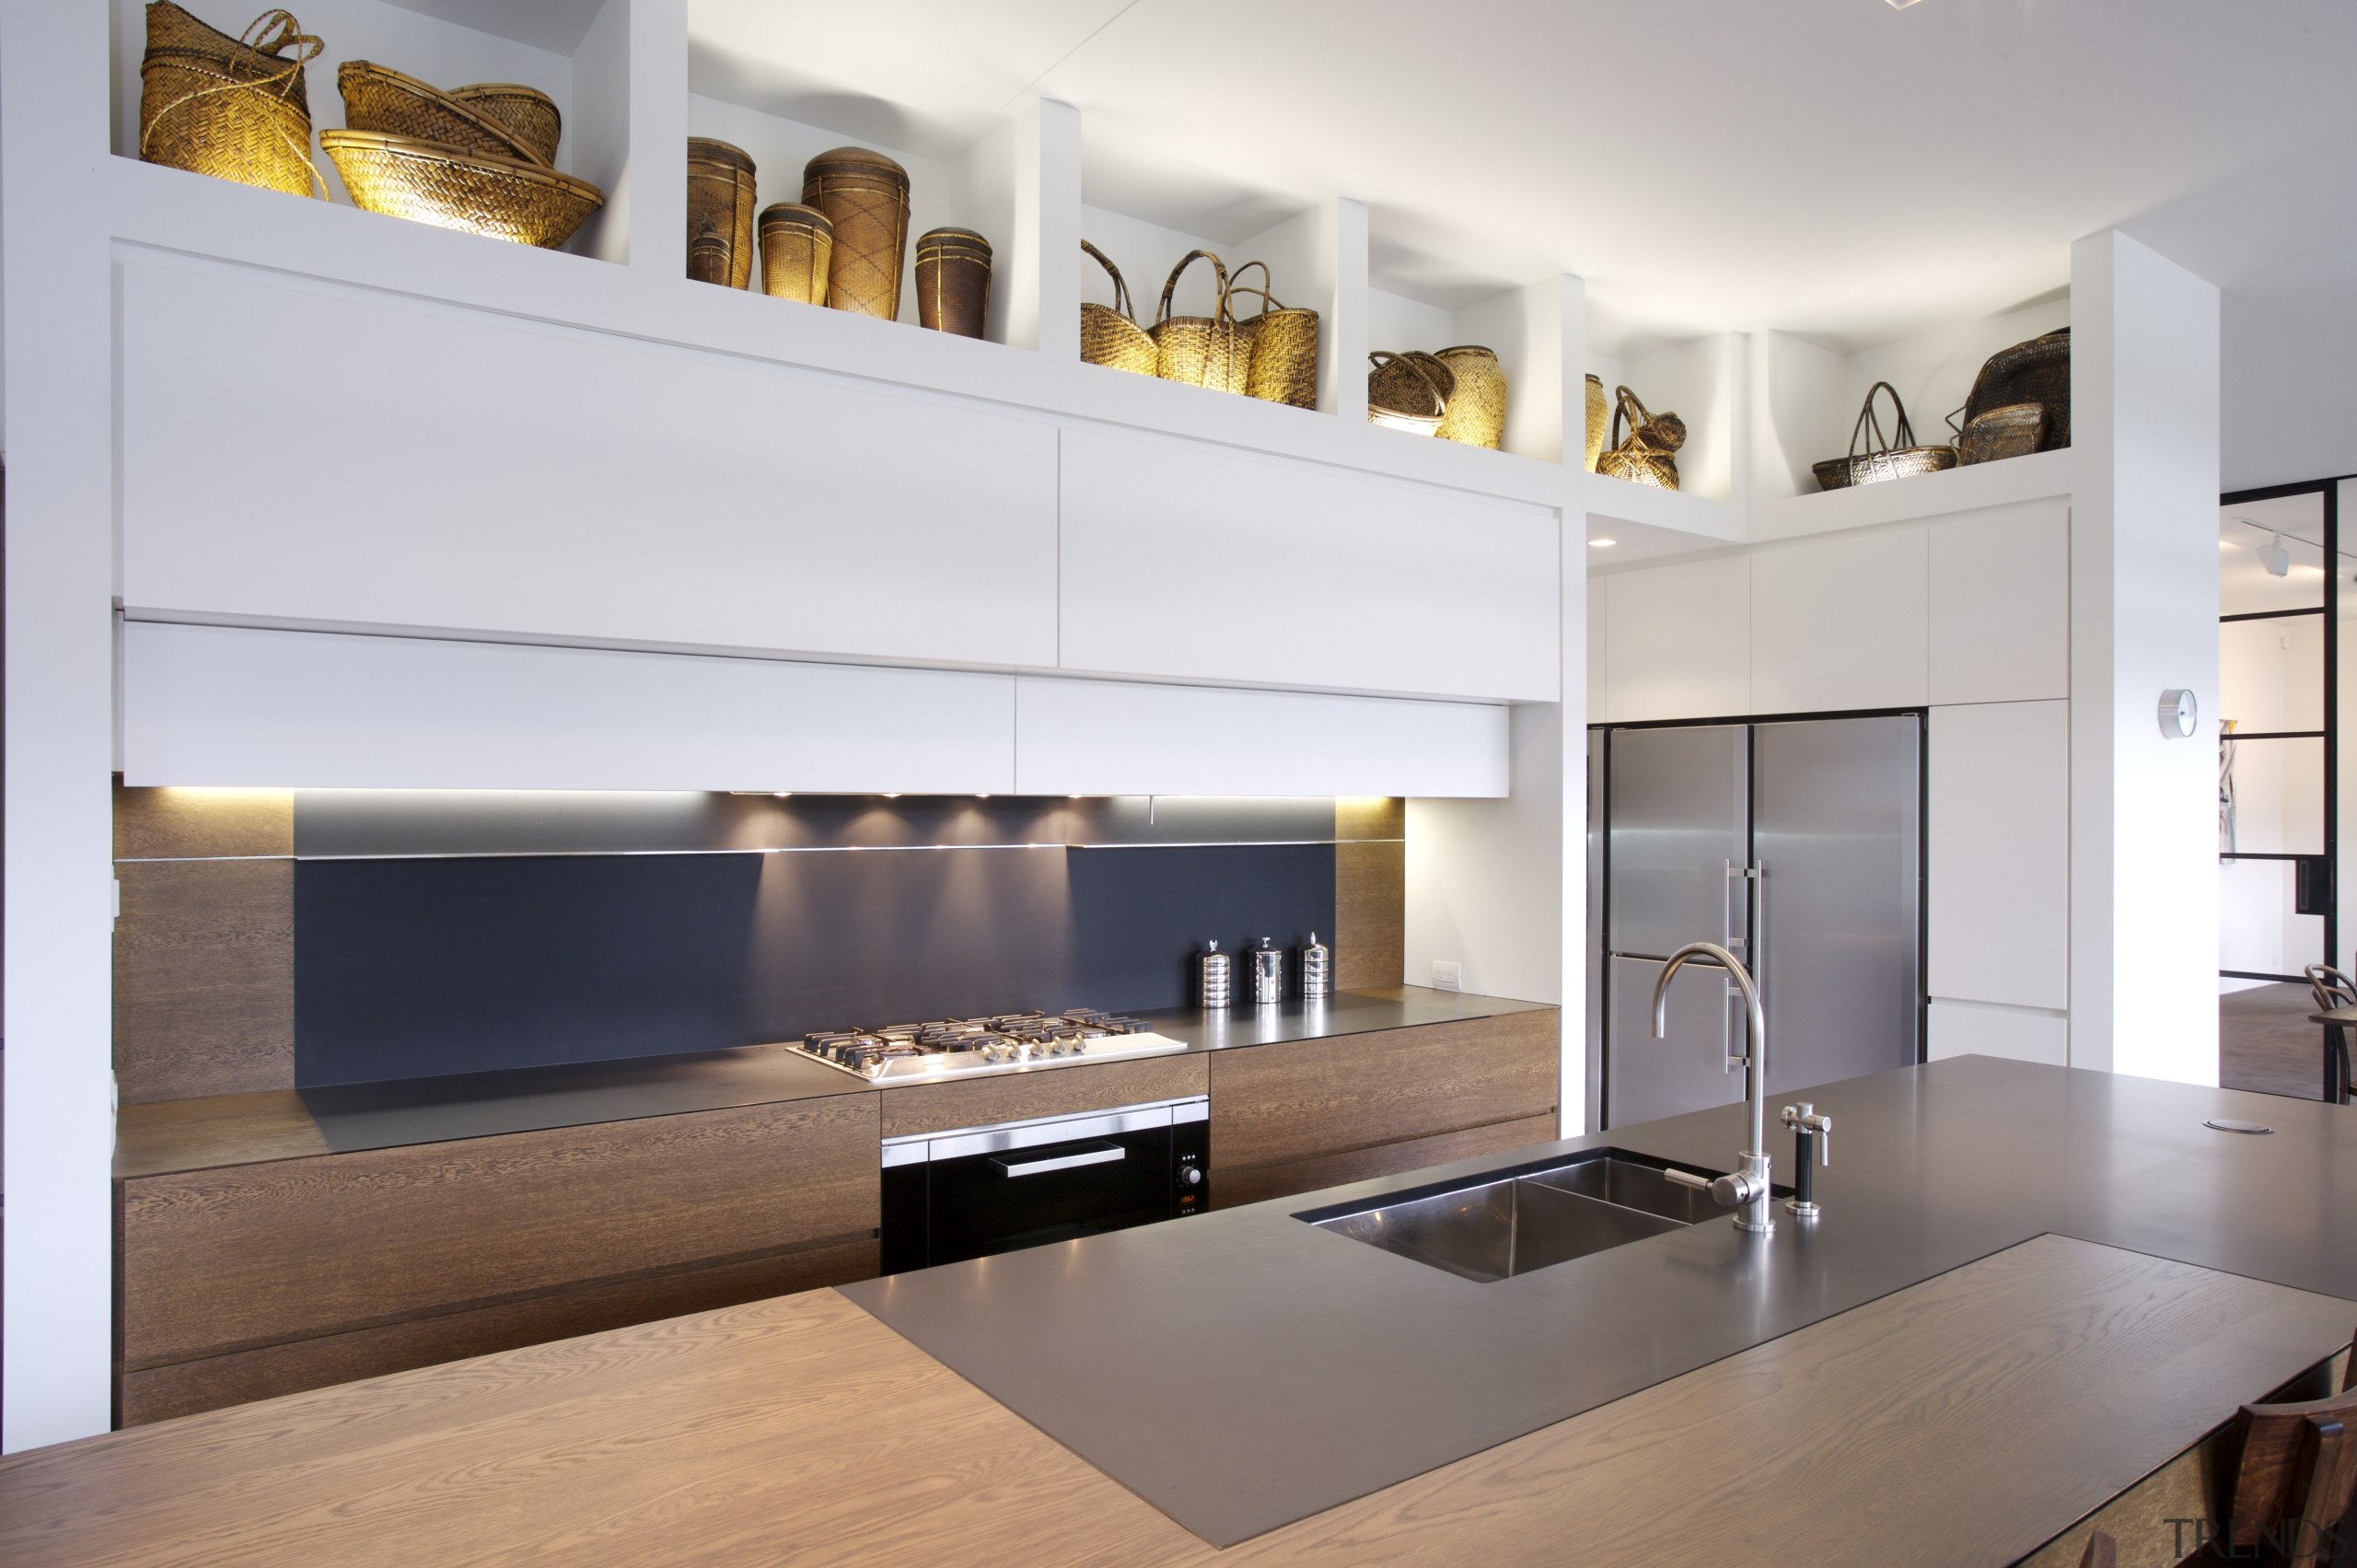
(710,151)
(856,163)
(793,214)
(952,240)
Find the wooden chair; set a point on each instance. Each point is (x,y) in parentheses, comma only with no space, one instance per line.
(2293,1480)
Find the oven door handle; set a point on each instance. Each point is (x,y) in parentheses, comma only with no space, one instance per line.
(1103,1155)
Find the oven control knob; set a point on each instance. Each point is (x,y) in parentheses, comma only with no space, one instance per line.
(1191,1176)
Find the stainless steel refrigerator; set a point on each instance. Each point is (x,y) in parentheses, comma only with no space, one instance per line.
(1798,846)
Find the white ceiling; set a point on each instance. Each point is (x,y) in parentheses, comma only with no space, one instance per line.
(1833,168)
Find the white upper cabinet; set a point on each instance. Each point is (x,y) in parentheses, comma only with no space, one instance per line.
(1998,824)
(2001,604)
(1126,737)
(1191,560)
(1839,624)
(1671,642)
(296,454)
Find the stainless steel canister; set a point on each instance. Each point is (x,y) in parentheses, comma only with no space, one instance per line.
(1316,967)
(1213,972)
(1268,973)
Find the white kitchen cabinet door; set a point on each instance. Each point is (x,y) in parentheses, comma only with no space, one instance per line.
(1203,563)
(471,473)
(1124,738)
(1999,841)
(226,705)
(2001,604)
(1837,623)
(1671,642)
(1966,1029)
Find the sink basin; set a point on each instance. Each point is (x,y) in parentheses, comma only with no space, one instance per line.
(1497,1226)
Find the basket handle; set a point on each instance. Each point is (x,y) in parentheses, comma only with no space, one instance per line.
(259,40)
(1221,311)
(1121,284)
(1904,434)
(1381,357)
(1236,286)
(1623,399)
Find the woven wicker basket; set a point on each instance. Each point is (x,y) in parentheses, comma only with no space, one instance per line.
(708,260)
(1282,364)
(1476,410)
(953,281)
(866,196)
(234,108)
(376,98)
(796,244)
(1895,457)
(172,30)
(1408,391)
(1599,420)
(1202,350)
(1109,334)
(504,198)
(720,201)
(2037,371)
(528,111)
(1648,454)
(1993,435)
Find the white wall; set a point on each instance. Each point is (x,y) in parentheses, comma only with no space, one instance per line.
(2144,606)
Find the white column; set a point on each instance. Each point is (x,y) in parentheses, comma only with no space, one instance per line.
(2143,617)
(56,1319)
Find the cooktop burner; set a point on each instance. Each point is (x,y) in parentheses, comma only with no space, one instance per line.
(1004,1042)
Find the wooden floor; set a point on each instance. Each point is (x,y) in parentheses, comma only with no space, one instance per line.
(2266,1043)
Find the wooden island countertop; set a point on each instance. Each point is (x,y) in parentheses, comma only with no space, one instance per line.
(1970,1418)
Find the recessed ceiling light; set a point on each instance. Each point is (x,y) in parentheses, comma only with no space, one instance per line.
(1602,543)
(1901,5)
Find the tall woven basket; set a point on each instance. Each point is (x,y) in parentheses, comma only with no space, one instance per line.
(1281,365)
(1648,455)
(1202,350)
(234,108)
(866,196)
(1599,420)
(720,201)
(1109,334)
(797,243)
(953,281)
(1476,410)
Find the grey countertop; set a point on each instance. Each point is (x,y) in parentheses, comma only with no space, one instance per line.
(1243,1369)
(241,1129)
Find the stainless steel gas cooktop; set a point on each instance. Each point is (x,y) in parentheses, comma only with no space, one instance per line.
(1007,1042)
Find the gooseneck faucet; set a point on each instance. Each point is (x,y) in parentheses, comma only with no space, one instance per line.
(1746,1192)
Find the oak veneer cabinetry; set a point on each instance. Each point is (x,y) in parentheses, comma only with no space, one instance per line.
(1052,1091)
(317,1270)
(1317,1113)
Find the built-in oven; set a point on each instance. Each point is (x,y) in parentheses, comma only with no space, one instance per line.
(979,1190)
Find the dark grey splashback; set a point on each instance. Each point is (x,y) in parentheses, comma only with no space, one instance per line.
(445,932)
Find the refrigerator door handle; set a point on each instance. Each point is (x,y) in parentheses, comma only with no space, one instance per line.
(1727,938)
(1740,1020)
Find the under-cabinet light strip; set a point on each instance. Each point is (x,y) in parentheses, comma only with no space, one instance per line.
(776,849)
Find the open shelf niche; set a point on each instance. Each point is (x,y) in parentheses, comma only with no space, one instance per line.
(1526,327)
(579,54)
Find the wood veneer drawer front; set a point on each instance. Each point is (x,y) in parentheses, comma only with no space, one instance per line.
(212,1382)
(1256,1184)
(1302,1098)
(227,1260)
(1050,1091)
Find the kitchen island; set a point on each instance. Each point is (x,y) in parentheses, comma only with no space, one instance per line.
(2030,1288)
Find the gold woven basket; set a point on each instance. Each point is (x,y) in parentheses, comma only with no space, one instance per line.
(1282,364)
(1202,351)
(953,276)
(1648,454)
(720,201)
(796,244)
(1408,391)
(1599,420)
(866,196)
(376,98)
(1109,334)
(236,108)
(528,111)
(503,198)
(1477,408)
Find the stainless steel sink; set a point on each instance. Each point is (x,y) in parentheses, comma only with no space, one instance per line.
(1496,1227)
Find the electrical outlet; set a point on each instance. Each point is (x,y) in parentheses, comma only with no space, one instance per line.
(1447,975)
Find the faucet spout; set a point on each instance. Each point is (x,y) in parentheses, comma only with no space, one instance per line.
(1748,1189)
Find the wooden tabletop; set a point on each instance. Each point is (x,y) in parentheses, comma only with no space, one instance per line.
(1973,1416)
